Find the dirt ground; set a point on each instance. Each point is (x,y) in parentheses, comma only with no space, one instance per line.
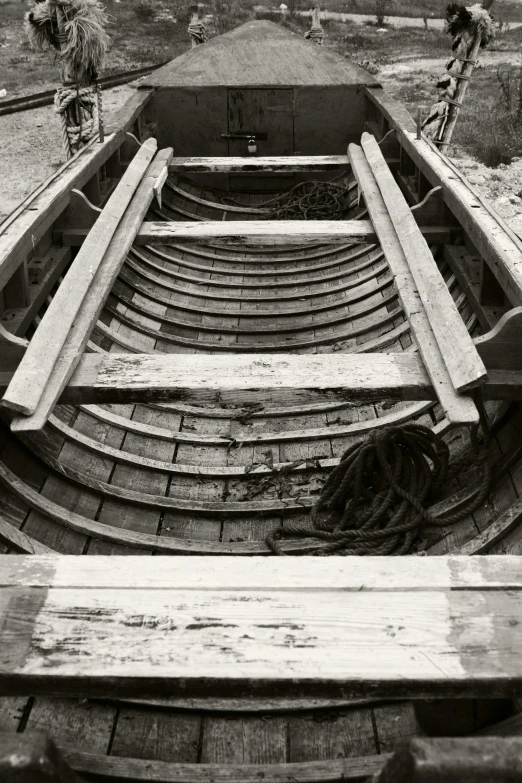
(32,148)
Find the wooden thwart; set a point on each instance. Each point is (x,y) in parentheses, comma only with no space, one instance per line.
(145,377)
(133,378)
(254,232)
(75,237)
(387,627)
(279,164)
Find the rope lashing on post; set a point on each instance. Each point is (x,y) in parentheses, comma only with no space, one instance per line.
(197,32)
(75,30)
(310,200)
(315,35)
(86,104)
(377,495)
(471,28)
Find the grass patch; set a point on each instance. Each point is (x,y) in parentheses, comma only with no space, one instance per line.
(490,123)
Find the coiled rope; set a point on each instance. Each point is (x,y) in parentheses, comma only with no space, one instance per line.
(376,495)
(82,102)
(311,200)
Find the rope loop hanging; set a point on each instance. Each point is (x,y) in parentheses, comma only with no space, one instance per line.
(75,29)
(376,497)
(85,102)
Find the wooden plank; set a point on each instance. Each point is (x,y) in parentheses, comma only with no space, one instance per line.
(39,211)
(337,628)
(330,771)
(33,372)
(132,378)
(75,237)
(457,408)
(283,163)
(465,366)
(174,377)
(101,285)
(494,240)
(378,574)
(258,232)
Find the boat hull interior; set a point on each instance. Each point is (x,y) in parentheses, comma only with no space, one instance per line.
(189,477)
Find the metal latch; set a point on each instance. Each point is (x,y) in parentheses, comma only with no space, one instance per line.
(247,136)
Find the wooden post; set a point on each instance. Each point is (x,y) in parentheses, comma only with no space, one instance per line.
(316,34)
(196,27)
(463,78)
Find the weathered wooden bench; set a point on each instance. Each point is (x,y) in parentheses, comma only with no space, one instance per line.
(339,627)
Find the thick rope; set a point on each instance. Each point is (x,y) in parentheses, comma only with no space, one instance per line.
(376,496)
(197,32)
(82,101)
(315,35)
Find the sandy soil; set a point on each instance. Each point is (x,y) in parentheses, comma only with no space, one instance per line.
(31,148)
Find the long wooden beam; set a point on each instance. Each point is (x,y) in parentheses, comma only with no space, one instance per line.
(32,376)
(458,408)
(494,240)
(242,378)
(101,285)
(254,232)
(156,377)
(339,628)
(279,164)
(265,232)
(75,237)
(465,367)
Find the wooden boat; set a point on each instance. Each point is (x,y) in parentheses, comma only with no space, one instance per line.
(216,368)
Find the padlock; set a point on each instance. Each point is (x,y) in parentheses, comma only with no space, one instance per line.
(252,146)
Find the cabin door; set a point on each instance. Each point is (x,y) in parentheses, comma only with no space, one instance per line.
(266,113)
